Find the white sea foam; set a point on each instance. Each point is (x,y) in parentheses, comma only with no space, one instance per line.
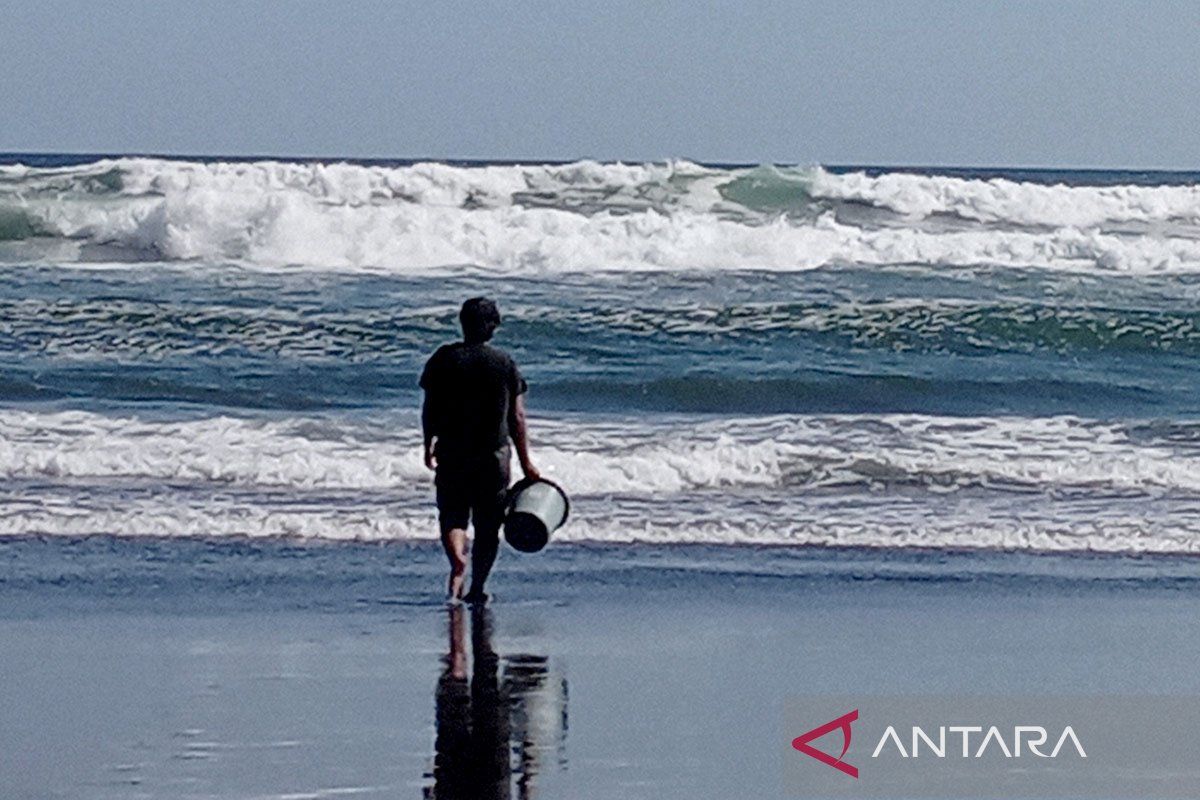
(791,453)
(1049,483)
(889,523)
(585,216)
(1001,200)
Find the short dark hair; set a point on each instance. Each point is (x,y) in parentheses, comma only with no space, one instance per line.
(479,318)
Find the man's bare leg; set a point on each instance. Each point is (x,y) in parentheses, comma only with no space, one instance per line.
(454,542)
(483,556)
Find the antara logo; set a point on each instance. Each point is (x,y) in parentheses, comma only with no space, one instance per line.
(1033,737)
(801,743)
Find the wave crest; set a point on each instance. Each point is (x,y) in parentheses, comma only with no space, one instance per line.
(583,216)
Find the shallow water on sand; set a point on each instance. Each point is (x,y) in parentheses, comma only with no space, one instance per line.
(184,669)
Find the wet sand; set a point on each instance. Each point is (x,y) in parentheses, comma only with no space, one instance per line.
(186,669)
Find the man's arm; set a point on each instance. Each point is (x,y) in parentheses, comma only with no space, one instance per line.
(428,431)
(520,436)
(428,382)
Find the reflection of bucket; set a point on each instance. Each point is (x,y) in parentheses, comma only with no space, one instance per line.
(536,509)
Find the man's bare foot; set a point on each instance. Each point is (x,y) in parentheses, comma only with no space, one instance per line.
(476,597)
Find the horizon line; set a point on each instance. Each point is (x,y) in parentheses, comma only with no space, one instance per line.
(8,157)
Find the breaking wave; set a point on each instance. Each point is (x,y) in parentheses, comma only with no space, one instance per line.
(1052,454)
(582,216)
(888,480)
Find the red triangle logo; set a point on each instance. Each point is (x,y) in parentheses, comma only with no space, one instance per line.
(801,743)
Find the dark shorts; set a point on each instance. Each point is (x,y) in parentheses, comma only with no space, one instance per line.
(473,490)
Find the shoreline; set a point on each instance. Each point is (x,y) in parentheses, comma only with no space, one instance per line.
(767,561)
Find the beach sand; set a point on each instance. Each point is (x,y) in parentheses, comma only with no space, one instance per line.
(273,669)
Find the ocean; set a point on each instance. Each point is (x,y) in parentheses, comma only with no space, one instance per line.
(844,430)
(947,359)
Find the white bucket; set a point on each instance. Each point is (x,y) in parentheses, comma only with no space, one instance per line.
(536,509)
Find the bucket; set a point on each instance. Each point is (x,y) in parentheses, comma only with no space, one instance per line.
(536,509)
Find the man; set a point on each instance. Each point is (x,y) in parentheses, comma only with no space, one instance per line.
(474,403)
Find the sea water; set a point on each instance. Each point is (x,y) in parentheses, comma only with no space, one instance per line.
(937,358)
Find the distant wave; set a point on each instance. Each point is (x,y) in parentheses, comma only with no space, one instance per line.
(810,392)
(332,386)
(1004,201)
(740,344)
(582,216)
(151,330)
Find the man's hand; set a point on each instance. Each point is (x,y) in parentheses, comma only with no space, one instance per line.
(430,459)
(531,472)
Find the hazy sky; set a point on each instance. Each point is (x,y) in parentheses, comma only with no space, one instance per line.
(917,82)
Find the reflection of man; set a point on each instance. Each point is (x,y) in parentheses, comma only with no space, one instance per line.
(472,746)
(473,404)
(483,721)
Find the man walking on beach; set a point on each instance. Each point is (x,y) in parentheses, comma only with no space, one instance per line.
(474,403)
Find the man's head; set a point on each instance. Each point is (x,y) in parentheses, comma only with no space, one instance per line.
(479,318)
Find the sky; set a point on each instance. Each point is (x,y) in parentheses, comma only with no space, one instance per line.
(921,82)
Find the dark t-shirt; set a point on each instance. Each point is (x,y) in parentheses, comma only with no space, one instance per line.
(469,391)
